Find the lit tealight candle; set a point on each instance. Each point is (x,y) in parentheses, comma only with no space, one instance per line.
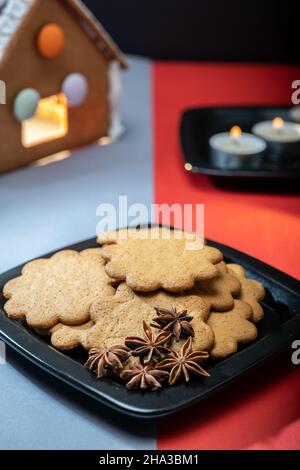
(235,149)
(283,138)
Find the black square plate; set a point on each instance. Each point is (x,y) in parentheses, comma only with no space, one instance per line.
(199,124)
(280,326)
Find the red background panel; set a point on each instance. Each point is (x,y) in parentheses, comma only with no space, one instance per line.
(262,222)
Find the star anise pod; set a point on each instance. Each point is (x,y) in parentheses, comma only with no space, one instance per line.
(141,376)
(102,360)
(168,319)
(184,363)
(149,346)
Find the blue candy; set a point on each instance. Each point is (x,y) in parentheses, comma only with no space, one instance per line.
(26,103)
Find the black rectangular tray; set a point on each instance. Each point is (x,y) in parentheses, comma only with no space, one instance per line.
(279,328)
(199,124)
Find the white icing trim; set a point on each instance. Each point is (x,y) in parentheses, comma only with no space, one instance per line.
(17,8)
(8,25)
(10,19)
(115,89)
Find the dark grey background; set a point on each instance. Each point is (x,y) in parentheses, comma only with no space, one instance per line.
(218,30)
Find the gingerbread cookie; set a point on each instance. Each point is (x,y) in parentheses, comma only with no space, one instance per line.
(121,315)
(218,292)
(184,301)
(251,291)
(144,233)
(195,307)
(69,337)
(160,258)
(59,289)
(111,238)
(231,328)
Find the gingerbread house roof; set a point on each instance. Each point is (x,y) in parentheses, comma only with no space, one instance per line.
(13,12)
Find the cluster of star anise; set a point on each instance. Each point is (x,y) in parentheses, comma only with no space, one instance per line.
(157,361)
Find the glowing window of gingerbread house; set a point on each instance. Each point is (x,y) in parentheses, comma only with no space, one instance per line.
(50,121)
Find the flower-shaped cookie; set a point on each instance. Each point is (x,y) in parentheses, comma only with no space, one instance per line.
(251,291)
(160,258)
(121,315)
(231,328)
(59,289)
(220,291)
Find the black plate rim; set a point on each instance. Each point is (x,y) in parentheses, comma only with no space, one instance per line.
(74,374)
(218,172)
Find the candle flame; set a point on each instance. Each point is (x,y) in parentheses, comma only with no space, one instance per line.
(278,123)
(235,132)
(188,167)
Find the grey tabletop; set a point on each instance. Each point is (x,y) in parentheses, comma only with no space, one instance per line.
(44,208)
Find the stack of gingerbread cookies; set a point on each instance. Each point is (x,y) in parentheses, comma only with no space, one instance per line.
(149,305)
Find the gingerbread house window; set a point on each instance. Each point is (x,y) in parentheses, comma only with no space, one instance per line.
(50,122)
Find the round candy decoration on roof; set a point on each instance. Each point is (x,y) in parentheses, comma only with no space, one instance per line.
(51,41)
(26,103)
(75,87)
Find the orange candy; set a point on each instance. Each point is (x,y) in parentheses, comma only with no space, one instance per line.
(51,41)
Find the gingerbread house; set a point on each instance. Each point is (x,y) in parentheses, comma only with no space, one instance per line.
(60,71)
